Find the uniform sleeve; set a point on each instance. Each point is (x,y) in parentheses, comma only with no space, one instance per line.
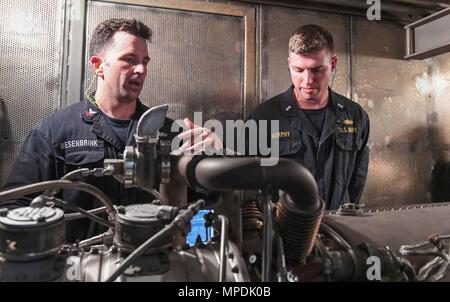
(359,176)
(34,163)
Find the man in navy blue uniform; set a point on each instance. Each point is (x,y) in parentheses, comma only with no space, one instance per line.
(99,127)
(321,129)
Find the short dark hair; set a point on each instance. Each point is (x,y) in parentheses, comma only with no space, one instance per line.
(103,33)
(310,38)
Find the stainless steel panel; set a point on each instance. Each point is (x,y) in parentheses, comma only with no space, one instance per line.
(437,87)
(428,37)
(197,59)
(277,26)
(387,88)
(30,34)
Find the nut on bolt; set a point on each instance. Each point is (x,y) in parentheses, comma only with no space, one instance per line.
(121,210)
(3,212)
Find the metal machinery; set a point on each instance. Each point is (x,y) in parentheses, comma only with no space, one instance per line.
(277,231)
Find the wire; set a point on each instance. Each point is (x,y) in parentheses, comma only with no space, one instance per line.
(90,98)
(334,74)
(60,184)
(73,216)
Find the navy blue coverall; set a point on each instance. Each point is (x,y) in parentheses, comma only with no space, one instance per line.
(338,157)
(78,136)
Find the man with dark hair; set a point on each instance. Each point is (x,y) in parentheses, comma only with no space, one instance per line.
(84,134)
(323,130)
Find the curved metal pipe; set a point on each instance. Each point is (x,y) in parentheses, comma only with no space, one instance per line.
(61,184)
(234,173)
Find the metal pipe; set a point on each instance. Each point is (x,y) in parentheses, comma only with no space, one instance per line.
(96,239)
(401,11)
(60,184)
(267,240)
(83,212)
(73,216)
(223,247)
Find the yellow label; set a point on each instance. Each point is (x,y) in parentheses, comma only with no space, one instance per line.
(347,129)
(348,122)
(280,134)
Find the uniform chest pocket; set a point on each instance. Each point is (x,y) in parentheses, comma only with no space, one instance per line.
(290,146)
(348,141)
(81,159)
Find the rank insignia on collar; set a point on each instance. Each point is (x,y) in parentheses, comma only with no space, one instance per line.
(90,113)
(348,122)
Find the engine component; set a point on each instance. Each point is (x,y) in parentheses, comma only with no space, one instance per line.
(30,239)
(136,223)
(197,264)
(140,165)
(298,229)
(304,244)
(31,233)
(252,218)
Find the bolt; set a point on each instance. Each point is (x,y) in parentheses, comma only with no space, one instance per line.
(3,212)
(121,210)
(40,219)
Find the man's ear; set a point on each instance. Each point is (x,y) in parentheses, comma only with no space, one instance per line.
(97,65)
(333,63)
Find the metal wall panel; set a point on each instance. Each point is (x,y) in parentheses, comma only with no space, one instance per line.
(30,33)
(197,59)
(277,25)
(380,80)
(386,86)
(437,88)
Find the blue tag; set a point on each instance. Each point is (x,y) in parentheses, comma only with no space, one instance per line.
(198,229)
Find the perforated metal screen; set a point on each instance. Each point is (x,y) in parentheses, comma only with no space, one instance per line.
(385,85)
(29,56)
(382,82)
(197,59)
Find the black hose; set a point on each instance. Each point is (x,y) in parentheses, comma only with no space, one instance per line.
(299,216)
(234,173)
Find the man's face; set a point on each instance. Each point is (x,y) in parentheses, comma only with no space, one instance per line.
(125,66)
(310,75)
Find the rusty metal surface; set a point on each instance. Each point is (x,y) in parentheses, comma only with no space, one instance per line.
(277,26)
(436,85)
(385,85)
